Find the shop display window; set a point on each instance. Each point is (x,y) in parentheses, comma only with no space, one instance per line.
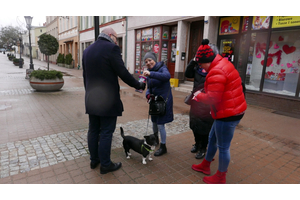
(283,64)
(164,50)
(147,34)
(174,33)
(156,32)
(137,54)
(245,24)
(165,35)
(260,22)
(138,35)
(255,61)
(227,49)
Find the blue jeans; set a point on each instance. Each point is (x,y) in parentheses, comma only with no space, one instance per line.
(220,137)
(162,131)
(100,134)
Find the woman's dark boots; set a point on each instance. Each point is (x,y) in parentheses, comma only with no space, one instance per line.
(162,150)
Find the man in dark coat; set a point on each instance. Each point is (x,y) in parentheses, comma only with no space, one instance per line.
(102,65)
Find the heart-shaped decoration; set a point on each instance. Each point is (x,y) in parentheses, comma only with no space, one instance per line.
(288,49)
(289,65)
(269,73)
(264,45)
(269,62)
(282,65)
(258,55)
(282,70)
(276,46)
(280,38)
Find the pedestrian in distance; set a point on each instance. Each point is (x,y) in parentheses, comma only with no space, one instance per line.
(158,83)
(200,118)
(102,65)
(224,93)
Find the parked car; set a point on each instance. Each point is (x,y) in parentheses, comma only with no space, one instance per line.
(2,50)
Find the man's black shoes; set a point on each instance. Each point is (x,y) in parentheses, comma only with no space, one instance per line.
(93,165)
(111,168)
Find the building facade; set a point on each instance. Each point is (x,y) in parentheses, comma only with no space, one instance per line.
(35,32)
(68,37)
(265,51)
(52,29)
(38,31)
(87,31)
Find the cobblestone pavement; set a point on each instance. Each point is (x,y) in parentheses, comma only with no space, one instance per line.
(35,153)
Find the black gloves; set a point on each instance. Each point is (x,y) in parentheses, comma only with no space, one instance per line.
(142,86)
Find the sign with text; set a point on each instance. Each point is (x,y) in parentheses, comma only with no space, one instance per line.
(285,21)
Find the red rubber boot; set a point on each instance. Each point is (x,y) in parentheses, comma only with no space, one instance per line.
(218,178)
(203,167)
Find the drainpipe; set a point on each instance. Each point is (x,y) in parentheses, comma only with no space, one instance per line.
(126,42)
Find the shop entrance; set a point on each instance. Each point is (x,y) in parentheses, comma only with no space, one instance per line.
(172,58)
(196,37)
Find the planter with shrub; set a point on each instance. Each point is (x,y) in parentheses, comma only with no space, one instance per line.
(16,61)
(60,60)
(44,80)
(68,61)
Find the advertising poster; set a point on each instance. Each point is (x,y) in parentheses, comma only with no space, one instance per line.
(260,22)
(147,34)
(285,21)
(245,24)
(229,25)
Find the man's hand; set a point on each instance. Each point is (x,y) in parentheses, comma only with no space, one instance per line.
(142,86)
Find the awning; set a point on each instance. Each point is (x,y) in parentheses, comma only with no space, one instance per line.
(68,41)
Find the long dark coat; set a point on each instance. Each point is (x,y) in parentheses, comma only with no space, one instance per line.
(159,81)
(102,65)
(200,117)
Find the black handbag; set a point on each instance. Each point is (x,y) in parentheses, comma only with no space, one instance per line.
(157,106)
(188,99)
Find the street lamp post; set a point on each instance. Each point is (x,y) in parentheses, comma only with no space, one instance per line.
(20,61)
(28,22)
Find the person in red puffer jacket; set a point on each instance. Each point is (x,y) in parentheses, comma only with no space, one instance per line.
(224,93)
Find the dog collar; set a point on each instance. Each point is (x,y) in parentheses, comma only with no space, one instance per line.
(146,148)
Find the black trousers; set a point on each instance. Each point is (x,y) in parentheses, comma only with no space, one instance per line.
(201,131)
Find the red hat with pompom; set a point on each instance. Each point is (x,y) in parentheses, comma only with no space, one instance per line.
(205,54)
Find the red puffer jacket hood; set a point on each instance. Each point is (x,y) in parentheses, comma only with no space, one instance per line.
(223,89)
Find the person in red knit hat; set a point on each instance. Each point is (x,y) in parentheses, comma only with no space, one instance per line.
(224,93)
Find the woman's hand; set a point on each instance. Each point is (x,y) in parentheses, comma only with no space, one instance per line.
(146,73)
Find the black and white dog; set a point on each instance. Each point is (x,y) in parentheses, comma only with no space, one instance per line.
(144,147)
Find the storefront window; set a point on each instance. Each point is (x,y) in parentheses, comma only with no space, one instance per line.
(164,51)
(137,54)
(156,33)
(242,52)
(260,22)
(138,35)
(283,64)
(156,49)
(165,34)
(255,61)
(227,49)
(174,33)
(147,34)
(229,25)
(245,24)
